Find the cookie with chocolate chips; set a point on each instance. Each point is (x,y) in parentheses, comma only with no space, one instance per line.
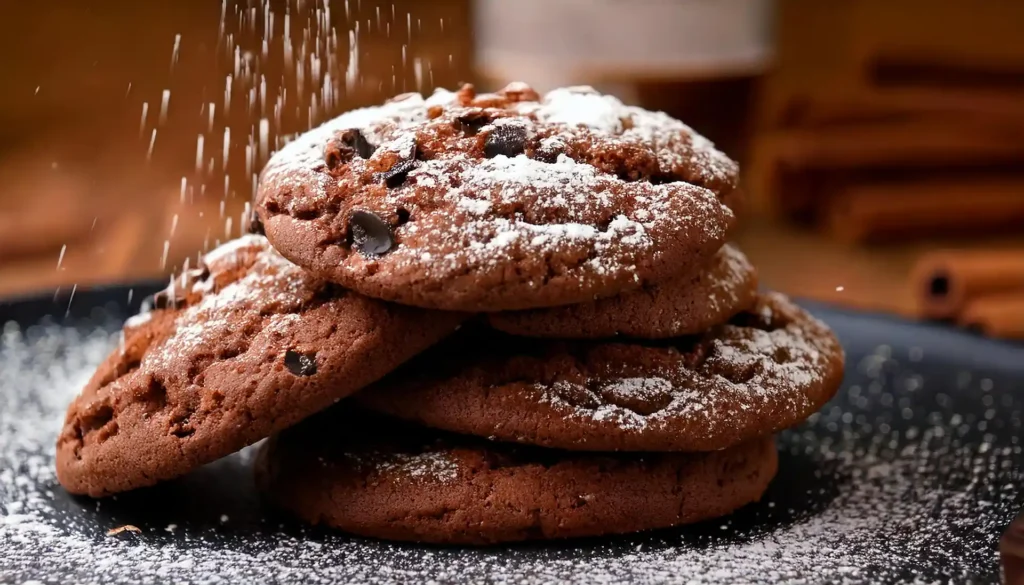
(767,369)
(229,353)
(499,201)
(685,305)
(386,480)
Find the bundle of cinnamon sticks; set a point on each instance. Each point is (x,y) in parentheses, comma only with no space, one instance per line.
(981,290)
(893,121)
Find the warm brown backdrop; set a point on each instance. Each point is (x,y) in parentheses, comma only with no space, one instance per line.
(74,167)
(871,78)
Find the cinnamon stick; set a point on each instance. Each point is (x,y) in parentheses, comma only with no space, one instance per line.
(787,165)
(898,210)
(945,282)
(1000,316)
(908,70)
(832,107)
(927,140)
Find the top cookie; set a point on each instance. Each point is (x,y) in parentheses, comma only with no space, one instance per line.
(244,346)
(498,201)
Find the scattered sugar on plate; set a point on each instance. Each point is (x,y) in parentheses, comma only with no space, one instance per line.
(861,497)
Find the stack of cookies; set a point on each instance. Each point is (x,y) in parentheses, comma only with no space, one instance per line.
(524,307)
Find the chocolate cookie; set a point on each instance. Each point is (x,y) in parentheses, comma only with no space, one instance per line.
(243,346)
(498,201)
(685,305)
(402,483)
(767,369)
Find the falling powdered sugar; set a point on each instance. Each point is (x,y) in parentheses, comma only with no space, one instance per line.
(298,160)
(271,282)
(477,183)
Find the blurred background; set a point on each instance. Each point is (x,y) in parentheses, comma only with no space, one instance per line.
(882,142)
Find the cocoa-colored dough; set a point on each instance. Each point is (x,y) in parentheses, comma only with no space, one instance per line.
(243,346)
(769,368)
(397,482)
(498,201)
(685,305)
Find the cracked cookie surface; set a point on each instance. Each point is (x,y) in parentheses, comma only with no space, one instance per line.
(498,201)
(394,481)
(684,305)
(243,346)
(769,368)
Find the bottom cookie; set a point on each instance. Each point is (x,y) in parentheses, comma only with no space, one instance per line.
(385,479)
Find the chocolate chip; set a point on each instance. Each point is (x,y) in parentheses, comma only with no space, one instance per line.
(356,140)
(300,364)
(507,139)
(369,234)
(396,175)
(472,122)
(403,215)
(345,146)
(549,153)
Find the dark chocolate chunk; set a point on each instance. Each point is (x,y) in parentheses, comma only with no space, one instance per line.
(300,364)
(549,153)
(472,122)
(369,234)
(356,140)
(403,215)
(507,139)
(345,146)
(395,176)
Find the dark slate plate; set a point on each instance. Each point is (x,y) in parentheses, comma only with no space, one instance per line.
(910,474)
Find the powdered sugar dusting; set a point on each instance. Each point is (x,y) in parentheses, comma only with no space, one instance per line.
(300,157)
(271,281)
(725,292)
(576,192)
(526,172)
(605,114)
(232,247)
(861,497)
(435,466)
(590,213)
(782,367)
(582,106)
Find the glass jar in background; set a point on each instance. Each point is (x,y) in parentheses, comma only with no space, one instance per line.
(695,59)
